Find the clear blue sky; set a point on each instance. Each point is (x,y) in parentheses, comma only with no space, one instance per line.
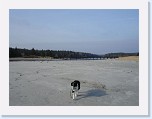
(93,31)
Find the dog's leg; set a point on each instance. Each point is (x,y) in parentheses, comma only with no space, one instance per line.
(76,91)
(73,95)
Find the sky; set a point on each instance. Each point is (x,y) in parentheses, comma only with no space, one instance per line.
(97,31)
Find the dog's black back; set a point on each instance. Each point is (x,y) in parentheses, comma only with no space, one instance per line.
(75,84)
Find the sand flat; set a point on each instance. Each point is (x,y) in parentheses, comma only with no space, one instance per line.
(129,58)
(47,83)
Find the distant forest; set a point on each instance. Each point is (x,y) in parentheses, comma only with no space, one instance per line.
(61,54)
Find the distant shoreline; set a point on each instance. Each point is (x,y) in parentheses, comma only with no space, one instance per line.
(47,59)
(128,58)
(33,59)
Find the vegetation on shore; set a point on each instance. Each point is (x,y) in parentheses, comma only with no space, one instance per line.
(61,54)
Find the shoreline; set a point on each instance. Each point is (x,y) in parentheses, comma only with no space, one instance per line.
(48,59)
(128,58)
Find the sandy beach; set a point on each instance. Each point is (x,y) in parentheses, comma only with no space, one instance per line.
(110,82)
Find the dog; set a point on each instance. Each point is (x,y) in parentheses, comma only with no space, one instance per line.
(75,87)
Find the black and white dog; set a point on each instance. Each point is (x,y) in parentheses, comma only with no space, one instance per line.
(75,87)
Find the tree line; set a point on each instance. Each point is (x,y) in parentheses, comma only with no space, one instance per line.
(32,53)
(61,54)
(121,54)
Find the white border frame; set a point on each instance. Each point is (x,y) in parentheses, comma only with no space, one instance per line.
(142,109)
